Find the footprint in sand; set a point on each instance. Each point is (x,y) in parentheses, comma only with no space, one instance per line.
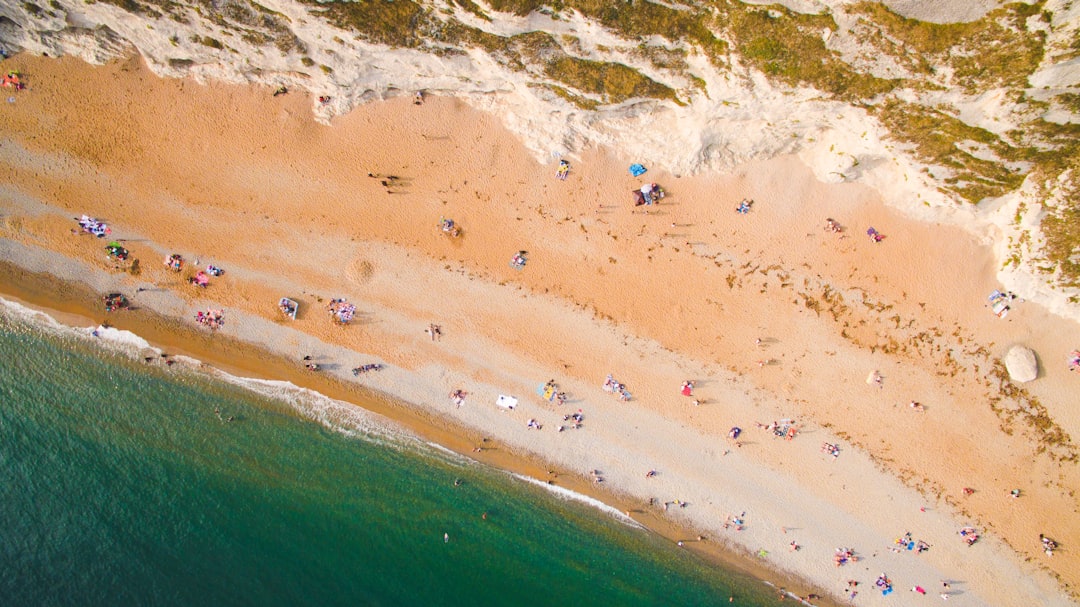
(360,271)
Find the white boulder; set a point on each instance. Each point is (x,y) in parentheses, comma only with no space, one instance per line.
(1021,364)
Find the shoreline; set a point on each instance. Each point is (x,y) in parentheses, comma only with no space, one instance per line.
(286,205)
(35,291)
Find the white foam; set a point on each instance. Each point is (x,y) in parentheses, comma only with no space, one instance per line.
(119,337)
(574,496)
(336,415)
(22,313)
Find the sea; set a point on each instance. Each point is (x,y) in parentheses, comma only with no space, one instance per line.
(127,482)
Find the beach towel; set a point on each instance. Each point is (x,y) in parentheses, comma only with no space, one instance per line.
(507,402)
(637,169)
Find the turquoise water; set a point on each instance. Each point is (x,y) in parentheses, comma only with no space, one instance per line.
(121,485)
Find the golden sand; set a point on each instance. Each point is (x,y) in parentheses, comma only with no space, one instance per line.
(770,315)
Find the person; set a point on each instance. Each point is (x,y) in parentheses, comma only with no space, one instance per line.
(281,90)
(418,98)
(688,388)
(564,170)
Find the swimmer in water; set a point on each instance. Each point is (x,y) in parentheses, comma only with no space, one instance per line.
(446,538)
(457,482)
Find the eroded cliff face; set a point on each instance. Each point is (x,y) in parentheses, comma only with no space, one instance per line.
(973,122)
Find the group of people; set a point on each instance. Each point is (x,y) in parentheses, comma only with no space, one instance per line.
(831,449)
(784,428)
(1074,360)
(969,535)
(551,393)
(175,262)
(906,542)
(214,319)
(449,228)
(116,251)
(843,556)
(13,80)
(884,583)
(518,260)
(341,310)
(1048,545)
(288,307)
(458,396)
(616,388)
(89,225)
(1001,303)
(365,368)
(200,279)
(116,301)
(575,419)
(648,195)
(832,226)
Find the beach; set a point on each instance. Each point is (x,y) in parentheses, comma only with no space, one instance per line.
(768,314)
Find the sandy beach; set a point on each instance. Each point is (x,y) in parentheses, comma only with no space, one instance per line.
(768,314)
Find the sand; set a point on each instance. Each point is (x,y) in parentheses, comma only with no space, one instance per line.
(232,176)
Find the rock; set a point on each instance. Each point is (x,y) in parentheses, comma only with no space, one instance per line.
(1021,364)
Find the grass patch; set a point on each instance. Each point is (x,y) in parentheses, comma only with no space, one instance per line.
(995,51)
(577,100)
(1061,231)
(208,41)
(401,23)
(934,137)
(137,8)
(1069,101)
(614,82)
(788,46)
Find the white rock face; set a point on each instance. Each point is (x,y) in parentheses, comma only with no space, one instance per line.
(724,115)
(1021,364)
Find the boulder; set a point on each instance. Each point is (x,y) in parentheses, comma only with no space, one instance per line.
(1021,364)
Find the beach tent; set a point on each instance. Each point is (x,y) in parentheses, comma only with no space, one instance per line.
(507,402)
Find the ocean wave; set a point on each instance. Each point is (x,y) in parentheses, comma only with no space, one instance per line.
(336,415)
(574,496)
(119,337)
(339,416)
(17,312)
(115,340)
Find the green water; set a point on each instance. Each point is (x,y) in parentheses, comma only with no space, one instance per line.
(120,485)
